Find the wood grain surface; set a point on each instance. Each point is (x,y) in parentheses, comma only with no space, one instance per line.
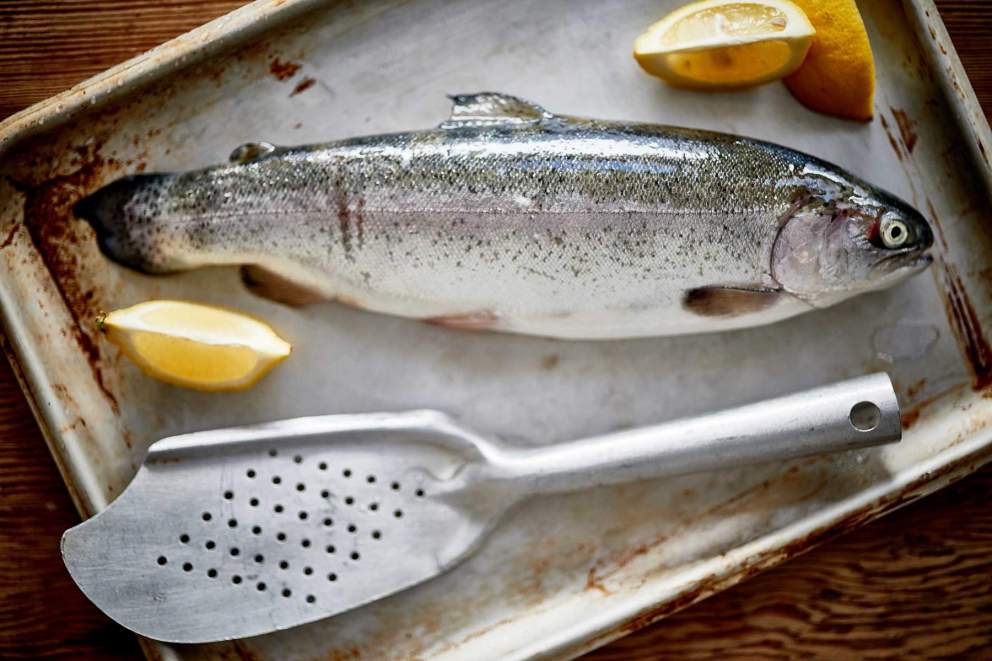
(916,584)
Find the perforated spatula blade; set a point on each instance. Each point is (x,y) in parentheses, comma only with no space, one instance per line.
(238,532)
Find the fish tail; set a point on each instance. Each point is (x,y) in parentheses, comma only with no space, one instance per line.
(131,228)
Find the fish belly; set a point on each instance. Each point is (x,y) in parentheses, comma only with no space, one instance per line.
(576,275)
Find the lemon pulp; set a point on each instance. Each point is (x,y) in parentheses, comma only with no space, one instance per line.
(723,43)
(194,345)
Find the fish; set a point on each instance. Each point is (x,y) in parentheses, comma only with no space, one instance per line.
(507,217)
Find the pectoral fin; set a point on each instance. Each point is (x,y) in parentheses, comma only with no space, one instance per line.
(730,301)
(265,283)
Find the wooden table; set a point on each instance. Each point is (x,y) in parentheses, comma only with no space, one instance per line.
(917,583)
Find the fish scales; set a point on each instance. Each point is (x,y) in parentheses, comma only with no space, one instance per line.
(525,222)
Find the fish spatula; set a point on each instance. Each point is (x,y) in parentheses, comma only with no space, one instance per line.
(238,532)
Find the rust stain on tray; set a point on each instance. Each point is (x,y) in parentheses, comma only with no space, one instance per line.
(9,238)
(283,70)
(916,388)
(593,582)
(54,231)
(907,128)
(892,139)
(911,414)
(807,483)
(935,220)
(715,583)
(344,655)
(303,86)
(964,320)
(910,417)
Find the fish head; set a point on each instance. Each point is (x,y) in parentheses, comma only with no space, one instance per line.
(126,217)
(843,237)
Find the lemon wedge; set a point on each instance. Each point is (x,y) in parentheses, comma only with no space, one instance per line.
(718,44)
(196,346)
(838,77)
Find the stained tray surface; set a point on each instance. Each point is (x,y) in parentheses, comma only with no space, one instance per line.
(567,572)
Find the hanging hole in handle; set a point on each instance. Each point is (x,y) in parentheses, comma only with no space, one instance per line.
(865,416)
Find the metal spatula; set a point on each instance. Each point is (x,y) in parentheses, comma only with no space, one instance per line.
(237,532)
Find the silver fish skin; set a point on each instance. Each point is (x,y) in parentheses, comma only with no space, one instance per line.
(509,218)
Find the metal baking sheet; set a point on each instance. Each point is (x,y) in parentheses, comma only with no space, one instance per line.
(566,573)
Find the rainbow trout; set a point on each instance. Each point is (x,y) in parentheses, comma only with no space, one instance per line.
(510,218)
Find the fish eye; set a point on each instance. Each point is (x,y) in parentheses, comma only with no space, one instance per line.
(895,233)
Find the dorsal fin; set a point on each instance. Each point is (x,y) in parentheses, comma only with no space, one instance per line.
(492,109)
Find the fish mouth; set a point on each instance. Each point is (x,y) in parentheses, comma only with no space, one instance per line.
(898,267)
(910,262)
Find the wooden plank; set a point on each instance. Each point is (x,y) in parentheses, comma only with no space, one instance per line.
(915,584)
(47,46)
(42,614)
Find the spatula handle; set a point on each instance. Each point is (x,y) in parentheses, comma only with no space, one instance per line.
(851,414)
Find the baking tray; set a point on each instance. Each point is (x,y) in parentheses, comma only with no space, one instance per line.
(566,573)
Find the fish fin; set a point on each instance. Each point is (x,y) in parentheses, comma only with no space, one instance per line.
(477,321)
(492,109)
(267,284)
(730,301)
(250,151)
